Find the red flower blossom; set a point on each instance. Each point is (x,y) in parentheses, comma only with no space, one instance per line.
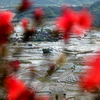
(73,22)
(85,19)
(26,4)
(17,90)
(14,65)
(6,27)
(66,21)
(84,22)
(25,22)
(91,80)
(38,13)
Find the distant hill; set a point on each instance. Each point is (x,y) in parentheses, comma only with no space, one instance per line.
(53,11)
(95,10)
(49,2)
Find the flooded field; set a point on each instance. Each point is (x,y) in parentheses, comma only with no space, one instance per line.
(64,82)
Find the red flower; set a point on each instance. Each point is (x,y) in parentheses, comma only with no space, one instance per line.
(85,19)
(17,90)
(91,80)
(25,22)
(66,21)
(6,27)
(14,65)
(38,13)
(73,22)
(26,4)
(84,22)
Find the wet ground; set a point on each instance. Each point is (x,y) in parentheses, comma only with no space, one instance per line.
(65,80)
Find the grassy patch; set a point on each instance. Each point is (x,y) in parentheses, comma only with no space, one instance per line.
(43,79)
